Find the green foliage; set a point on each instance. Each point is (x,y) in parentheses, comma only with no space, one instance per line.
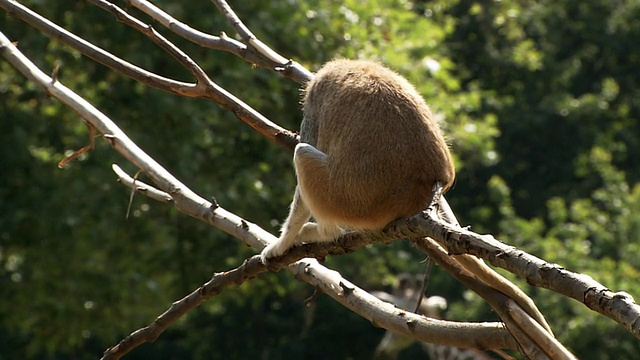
(539,101)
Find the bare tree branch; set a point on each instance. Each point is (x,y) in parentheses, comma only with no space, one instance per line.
(159,40)
(479,270)
(205,89)
(459,334)
(618,306)
(403,322)
(254,51)
(288,67)
(538,334)
(20,11)
(543,346)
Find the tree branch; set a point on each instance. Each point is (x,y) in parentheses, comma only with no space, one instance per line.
(618,306)
(32,18)
(159,40)
(459,334)
(204,89)
(254,52)
(543,346)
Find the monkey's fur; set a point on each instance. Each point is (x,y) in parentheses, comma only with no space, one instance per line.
(369,153)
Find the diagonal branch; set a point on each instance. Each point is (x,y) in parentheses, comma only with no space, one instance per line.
(184,60)
(34,19)
(254,52)
(519,322)
(246,34)
(460,334)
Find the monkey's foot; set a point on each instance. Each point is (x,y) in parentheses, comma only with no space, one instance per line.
(272,250)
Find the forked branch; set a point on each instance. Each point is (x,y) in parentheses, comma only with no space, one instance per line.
(204,88)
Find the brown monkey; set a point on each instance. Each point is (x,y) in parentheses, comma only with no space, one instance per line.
(369,153)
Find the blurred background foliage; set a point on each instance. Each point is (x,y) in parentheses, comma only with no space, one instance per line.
(540,101)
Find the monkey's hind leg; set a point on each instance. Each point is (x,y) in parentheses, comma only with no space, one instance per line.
(313,179)
(298,215)
(311,171)
(319,232)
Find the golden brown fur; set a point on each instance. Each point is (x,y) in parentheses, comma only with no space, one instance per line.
(370,153)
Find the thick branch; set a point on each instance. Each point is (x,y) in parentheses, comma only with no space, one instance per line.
(543,346)
(618,306)
(459,334)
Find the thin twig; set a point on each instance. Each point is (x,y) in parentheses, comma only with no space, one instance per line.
(166,45)
(424,284)
(27,15)
(208,89)
(246,34)
(139,186)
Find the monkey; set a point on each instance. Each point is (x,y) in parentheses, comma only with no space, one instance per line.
(370,152)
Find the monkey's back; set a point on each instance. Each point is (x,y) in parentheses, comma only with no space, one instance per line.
(384,149)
